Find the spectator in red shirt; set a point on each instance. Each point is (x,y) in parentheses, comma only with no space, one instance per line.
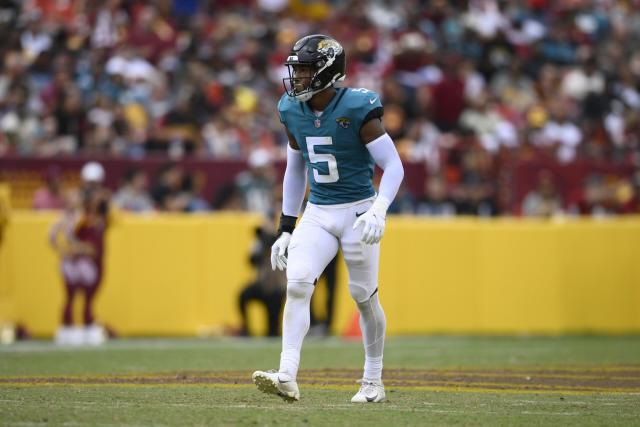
(448,97)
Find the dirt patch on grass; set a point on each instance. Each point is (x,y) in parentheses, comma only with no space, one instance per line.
(556,379)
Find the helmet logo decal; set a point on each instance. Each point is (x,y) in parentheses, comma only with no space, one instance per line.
(329,47)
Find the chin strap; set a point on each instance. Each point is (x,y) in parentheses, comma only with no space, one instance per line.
(307,96)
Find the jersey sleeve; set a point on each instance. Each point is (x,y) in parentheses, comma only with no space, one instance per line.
(375,113)
(367,106)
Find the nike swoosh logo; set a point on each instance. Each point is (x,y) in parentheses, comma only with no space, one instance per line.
(371,101)
(358,214)
(282,382)
(371,399)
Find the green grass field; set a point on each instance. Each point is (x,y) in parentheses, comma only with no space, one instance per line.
(436,379)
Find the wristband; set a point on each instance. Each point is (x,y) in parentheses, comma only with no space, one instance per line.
(287,224)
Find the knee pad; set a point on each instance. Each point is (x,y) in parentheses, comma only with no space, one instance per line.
(299,290)
(299,271)
(366,304)
(360,293)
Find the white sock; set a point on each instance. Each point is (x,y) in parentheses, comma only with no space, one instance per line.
(372,368)
(295,324)
(373,325)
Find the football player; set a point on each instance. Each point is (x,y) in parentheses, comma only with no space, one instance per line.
(335,134)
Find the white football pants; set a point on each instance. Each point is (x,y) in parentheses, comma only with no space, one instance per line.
(314,243)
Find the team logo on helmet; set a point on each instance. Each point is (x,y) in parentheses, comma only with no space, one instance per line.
(329,47)
(344,122)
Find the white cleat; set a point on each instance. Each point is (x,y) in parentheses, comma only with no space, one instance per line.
(279,383)
(372,391)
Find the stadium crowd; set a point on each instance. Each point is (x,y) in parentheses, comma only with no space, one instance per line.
(468,87)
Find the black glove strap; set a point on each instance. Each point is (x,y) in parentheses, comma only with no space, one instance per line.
(287,224)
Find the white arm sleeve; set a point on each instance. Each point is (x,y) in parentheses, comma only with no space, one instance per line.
(294,184)
(386,156)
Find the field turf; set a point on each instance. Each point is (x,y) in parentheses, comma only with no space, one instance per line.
(578,380)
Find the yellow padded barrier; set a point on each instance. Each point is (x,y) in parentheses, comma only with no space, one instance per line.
(181,274)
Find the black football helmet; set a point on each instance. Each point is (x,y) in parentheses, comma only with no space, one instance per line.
(324,55)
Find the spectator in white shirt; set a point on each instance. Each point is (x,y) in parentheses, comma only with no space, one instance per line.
(559,134)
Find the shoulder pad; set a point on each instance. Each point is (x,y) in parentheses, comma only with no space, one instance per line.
(285,104)
(362,98)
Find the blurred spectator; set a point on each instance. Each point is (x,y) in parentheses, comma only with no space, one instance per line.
(448,97)
(592,199)
(70,118)
(152,31)
(180,132)
(78,237)
(435,201)
(474,194)
(475,197)
(624,196)
(191,188)
(582,81)
(269,286)
(20,126)
(167,191)
(559,134)
(50,195)
(227,199)
(133,195)
(513,87)
(616,127)
(605,195)
(544,201)
(34,40)
(427,146)
(491,129)
(256,184)
(403,203)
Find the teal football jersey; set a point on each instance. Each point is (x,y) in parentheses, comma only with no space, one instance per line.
(340,166)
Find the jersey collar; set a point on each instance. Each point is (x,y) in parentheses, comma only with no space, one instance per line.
(330,108)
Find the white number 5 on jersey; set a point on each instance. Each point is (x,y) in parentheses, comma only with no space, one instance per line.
(330,159)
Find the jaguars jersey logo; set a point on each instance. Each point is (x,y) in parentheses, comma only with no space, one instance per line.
(344,122)
(329,47)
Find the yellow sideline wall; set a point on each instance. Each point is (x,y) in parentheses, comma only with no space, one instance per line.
(181,274)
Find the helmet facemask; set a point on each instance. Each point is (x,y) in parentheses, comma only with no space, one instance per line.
(326,60)
(300,87)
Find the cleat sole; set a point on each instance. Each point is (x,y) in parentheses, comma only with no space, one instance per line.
(267,385)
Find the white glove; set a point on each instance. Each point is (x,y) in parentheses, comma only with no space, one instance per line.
(373,220)
(278,258)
